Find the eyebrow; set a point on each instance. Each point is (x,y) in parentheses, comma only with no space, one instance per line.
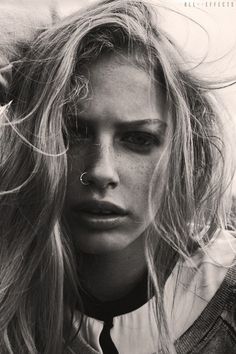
(142,122)
(133,124)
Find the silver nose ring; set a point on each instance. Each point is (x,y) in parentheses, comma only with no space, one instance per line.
(82,180)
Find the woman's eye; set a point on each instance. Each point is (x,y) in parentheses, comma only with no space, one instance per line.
(78,134)
(141,140)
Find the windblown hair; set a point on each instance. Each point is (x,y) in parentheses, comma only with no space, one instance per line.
(39,289)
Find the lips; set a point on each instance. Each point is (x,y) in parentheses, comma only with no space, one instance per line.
(101,208)
(100,215)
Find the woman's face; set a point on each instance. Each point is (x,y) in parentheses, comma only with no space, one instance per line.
(117,138)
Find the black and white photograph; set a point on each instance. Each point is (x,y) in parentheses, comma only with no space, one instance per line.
(117,177)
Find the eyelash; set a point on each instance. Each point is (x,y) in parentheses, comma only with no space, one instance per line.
(140,139)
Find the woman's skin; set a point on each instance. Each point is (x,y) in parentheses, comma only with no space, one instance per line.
(117,135)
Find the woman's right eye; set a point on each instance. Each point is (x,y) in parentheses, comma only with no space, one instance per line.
(78,134)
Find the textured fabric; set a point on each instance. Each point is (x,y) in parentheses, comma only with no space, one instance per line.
(215,327)
(198,280)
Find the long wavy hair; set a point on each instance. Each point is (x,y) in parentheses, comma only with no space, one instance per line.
(39,285)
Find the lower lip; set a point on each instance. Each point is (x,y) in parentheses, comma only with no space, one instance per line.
(100,222)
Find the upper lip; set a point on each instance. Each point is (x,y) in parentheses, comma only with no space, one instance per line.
(95,206)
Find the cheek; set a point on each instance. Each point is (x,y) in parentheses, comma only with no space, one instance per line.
(76,163)
(141,170)
(136,180)
(74,170)
(142,178)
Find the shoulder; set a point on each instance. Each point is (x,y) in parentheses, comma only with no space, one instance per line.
(207,268)
(213,329)
(194,283)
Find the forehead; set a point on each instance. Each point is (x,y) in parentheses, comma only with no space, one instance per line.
(117,87)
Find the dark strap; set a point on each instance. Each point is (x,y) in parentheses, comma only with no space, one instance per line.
(106,343)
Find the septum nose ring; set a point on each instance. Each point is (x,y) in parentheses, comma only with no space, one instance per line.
(82,180)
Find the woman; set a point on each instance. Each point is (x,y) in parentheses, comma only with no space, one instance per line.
(114,195)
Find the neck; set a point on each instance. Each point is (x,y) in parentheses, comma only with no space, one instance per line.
(113,275)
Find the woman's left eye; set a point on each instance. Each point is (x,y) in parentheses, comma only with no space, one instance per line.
(141,139)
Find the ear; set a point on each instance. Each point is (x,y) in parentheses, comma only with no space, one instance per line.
(19,25)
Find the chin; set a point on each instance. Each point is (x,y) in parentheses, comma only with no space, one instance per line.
(102,243)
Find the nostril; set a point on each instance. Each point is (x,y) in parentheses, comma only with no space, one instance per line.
(102,168)
(101,178)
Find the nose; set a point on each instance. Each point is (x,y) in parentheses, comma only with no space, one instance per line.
(101,168)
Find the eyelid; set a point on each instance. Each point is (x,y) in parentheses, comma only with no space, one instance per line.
(151,134)
(151,139)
